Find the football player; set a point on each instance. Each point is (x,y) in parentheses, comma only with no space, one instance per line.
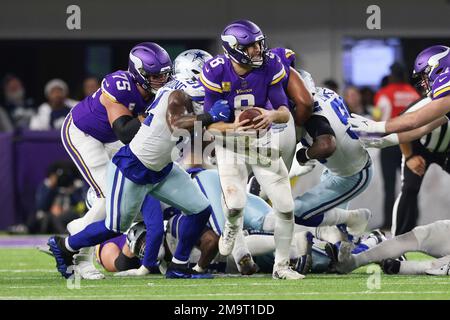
(145,166)
(247,76)
(101,123)
(432,239)
(330,140)
(432,66)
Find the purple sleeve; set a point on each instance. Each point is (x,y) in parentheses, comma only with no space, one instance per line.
(118,87)
(210,78)
(441,86)
(277,96)
(210,99)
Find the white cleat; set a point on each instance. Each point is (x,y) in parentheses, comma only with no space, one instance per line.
(358,221)
(441,271)
(346,261)
(282,271)
(228,238)
(84,265)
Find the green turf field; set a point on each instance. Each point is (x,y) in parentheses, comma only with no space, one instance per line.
(29,274)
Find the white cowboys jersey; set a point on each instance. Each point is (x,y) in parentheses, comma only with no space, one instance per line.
(154,144)
(350,157)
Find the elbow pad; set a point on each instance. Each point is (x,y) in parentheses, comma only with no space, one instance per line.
(126,127)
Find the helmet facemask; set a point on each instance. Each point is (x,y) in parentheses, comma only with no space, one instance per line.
(153,82)
(422,82)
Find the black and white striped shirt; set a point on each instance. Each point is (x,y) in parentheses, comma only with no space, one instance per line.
(437,140)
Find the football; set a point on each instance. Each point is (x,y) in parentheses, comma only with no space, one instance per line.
(250,114)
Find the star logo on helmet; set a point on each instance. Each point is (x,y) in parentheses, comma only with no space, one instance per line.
(198,55)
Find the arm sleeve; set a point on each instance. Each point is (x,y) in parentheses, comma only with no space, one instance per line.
(277,96)
(210,80)
(126,127)
(318,126)
(441,86)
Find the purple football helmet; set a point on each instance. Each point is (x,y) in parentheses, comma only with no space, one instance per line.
(430,63)
(150,65)
(237,36)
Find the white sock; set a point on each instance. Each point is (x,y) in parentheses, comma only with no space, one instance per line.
(175,260)
(198,268)
(284,229)
(392,248)
(240,248)
(335,216)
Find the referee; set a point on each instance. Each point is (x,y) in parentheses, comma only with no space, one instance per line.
(417,157)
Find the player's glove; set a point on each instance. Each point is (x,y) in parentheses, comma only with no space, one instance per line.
(142,271)
(220,111)
(379,142)
(361,124)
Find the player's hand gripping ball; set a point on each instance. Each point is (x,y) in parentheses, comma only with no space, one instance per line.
(250,114)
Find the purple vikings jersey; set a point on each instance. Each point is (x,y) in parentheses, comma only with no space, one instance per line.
(254,89)
(287,58)
(90,115)
(441,86)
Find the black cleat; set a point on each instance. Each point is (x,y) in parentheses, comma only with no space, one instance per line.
(390,266)
(63,257)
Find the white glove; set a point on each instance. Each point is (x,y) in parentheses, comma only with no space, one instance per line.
(379,142)
(361,124)
(142,271)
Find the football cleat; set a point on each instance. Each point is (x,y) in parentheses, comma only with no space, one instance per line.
(62,256)
(390,266)
(441,271)
(84,265)
(284,272)
(228,238)
(181,271)
(247,266)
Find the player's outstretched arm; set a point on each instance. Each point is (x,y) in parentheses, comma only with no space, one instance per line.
(124,125)
(409,121)
(402,137)
(302,98)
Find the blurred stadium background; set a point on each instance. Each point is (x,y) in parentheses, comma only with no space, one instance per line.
(330,38)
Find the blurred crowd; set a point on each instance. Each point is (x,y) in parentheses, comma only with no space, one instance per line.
(19,111)
(60,197)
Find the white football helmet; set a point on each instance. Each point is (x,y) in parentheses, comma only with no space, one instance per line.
(189,64)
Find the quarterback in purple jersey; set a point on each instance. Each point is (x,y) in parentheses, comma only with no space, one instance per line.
(432,65)
(248,76)
(101,123)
